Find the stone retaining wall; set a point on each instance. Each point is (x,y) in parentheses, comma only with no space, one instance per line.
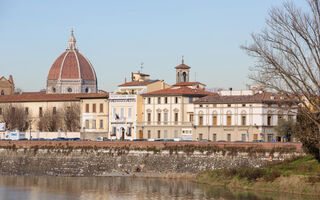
(68,160)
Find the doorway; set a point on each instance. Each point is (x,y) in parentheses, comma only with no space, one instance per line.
(140,134)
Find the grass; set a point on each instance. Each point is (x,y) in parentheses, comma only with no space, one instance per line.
(299,175)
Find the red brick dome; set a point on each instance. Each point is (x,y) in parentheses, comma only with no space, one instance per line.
(71,65)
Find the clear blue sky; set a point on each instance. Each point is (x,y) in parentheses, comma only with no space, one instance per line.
(117,35)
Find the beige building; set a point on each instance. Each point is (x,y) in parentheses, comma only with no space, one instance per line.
(241,116)
(94,115)
(35,104)
(125,106)
(168,113)
(6,86)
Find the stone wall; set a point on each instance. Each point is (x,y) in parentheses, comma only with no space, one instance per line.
(66,160)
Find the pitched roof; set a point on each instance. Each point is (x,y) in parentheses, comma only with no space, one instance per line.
(40,97)
(138,83)
(188,84)
(264,97)
(180,91)
(182,66)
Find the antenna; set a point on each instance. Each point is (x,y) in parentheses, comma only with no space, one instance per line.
(141,67)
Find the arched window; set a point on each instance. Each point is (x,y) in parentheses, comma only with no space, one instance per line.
(54,90)
(69,89)
(87,90)
(184,76)
(2,92)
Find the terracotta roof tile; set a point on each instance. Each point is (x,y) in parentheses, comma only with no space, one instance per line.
(182,66)
(138,83)
(40,96)
(181,91)
(188,84)
(256,98)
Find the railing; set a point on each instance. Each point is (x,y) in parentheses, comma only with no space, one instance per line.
(163,123)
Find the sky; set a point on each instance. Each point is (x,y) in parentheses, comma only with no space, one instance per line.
(117,35)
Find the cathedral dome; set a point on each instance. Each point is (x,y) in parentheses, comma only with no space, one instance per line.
(71,72)
(71,65)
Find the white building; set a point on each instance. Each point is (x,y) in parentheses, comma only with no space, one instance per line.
(247,117)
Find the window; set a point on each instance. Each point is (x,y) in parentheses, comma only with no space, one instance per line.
(214,137)
(243,120)
(255,136)
(2,92)
(200,105)
(26,111)
(165,133)
(175,133)
(87,108)
(94,107)
(129,113)
(243,137)
(243,105)
(229,120)
(114,113)
(159,100)
(54,110)
(149,100)
(200,136)
(101,124)
(214,120)
(121,113)
(214,105)
(69,89)
(166,100)
(54,90)
(94,124)
(114,131)
(176,100)
(269,120)
(159,117)
(101,107)
(190,99)
(191,118)
(87,90)
(149,117)
(165,117)
(176,117)
(149,134)
(40,111)
(159,134)
(229,105)
(0,111)
(87,124)
(200,120)
(229,137)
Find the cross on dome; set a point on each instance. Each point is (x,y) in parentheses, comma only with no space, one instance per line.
(72,42)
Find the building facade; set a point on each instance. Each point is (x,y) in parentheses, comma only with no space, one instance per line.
(248,117)
(168,113)
(126,106)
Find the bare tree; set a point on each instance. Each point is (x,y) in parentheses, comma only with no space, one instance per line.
(288,55)
(50,120)
(71,117)
(15,117)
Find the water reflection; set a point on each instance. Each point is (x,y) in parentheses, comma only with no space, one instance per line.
(96,188)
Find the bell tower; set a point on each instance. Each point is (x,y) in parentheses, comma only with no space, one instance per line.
(182,72)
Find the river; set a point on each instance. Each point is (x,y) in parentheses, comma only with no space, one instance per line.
(121,188)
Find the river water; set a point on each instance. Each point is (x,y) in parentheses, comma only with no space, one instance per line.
(121,188)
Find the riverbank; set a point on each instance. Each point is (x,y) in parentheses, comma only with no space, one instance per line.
(296,176)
